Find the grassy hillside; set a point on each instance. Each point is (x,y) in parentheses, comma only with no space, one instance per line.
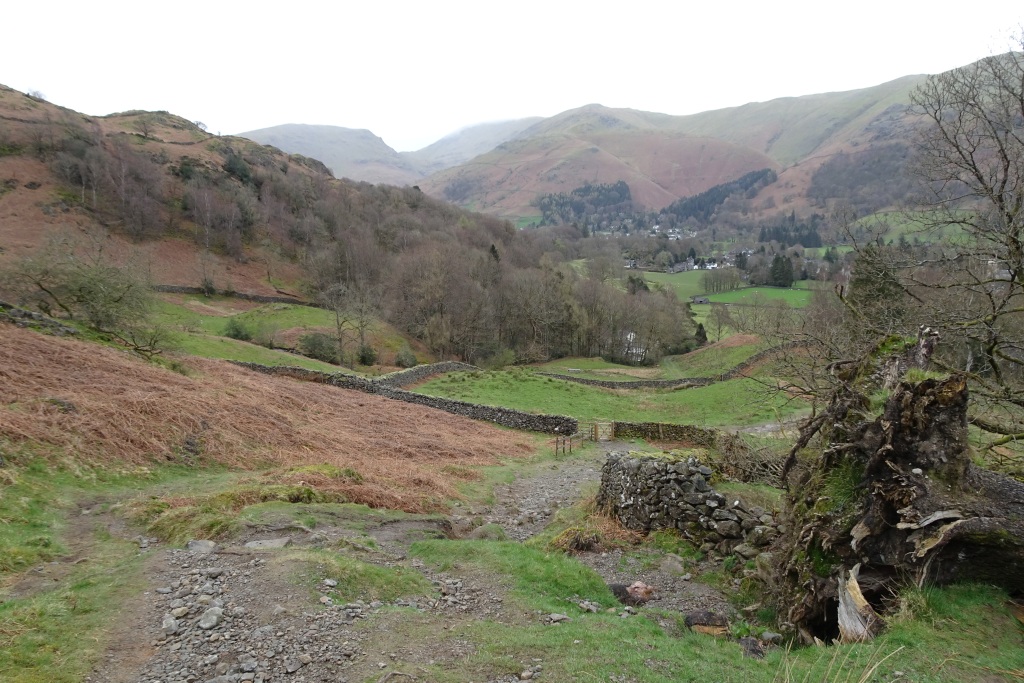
(791,129)
(715,405)
(795,135)
(659,167)
(200,326)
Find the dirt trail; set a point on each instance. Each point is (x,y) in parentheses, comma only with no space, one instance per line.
(270,628)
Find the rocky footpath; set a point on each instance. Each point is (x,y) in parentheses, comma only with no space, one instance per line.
(237,614)
(210,621)
(231,615)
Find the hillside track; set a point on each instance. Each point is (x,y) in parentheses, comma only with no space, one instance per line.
(279,628)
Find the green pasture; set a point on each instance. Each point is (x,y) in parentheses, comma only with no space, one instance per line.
(707,362)
(596,368)
(737,402)
(265,317)
(202,333)
(209,346)
(685,285)
(812,285)
(796,298)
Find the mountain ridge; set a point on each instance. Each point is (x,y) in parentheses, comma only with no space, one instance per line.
(504,167)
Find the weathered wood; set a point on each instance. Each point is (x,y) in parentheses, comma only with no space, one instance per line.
(895,497)
(857,619)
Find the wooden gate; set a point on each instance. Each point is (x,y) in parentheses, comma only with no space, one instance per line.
(604,431)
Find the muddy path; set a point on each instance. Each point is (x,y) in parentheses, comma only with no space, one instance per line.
(235,612)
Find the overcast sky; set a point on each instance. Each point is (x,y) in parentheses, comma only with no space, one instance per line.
(413,72)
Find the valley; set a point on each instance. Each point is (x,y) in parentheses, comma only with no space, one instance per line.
(263,418)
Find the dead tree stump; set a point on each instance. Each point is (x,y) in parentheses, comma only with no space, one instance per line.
(892,499)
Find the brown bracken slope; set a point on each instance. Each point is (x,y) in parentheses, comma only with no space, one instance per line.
(92,404)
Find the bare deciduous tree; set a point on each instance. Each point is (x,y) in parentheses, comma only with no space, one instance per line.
(971,156)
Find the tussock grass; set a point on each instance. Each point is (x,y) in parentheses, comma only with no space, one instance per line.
(540,580)
(215,516)
(356,579)
(56,636)
(655,648)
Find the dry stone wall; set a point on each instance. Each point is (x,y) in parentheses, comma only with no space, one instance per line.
(647,493)
(507,417)
(258,298)
(663,431)
(25,318)
(634,384)
(404,378)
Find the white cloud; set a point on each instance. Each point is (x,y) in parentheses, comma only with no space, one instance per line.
(414,71)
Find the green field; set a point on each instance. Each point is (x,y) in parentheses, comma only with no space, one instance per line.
(708,361)
(685,285)
(199,325)
(266,317)
(734,403)
(797,298)
(209,346)
(688,284)
(598,368)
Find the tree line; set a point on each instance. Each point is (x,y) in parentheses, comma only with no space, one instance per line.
(467,285)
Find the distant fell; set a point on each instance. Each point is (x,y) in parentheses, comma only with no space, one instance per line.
(664,158)
(791,129)
(463,145)
(594,144)
(352,153)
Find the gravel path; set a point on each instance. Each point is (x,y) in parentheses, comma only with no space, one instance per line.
(236,614)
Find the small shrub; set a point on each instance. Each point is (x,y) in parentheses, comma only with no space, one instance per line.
(367,355)
(406,358)
(207,287)
(236,330)
(500,360)
(320,346)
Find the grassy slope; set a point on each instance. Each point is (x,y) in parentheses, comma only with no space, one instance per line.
(199,324)
(209,346)
(715,405)
(56,634)
(709,361)
(955,633)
